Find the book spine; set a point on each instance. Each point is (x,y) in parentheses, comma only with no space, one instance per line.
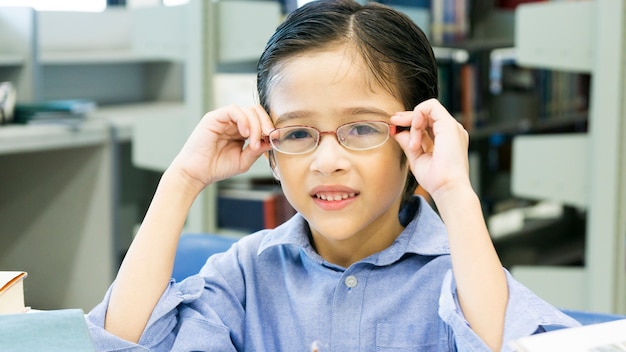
(270,220)
(437,21)
(468,87)
(248,212)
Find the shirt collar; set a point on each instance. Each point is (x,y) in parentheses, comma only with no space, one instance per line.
(425,234)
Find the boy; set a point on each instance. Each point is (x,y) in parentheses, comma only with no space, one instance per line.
(349,121)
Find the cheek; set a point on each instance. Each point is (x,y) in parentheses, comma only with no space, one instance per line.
(289,171)
(393,168)
(283,163)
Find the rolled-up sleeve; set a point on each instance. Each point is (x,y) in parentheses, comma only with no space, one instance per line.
(160,332)
(526,314)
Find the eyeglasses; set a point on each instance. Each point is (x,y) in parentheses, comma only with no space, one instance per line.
(359,135)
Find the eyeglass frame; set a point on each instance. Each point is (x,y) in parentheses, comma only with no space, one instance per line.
(391,131)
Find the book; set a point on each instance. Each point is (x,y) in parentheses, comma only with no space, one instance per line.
(602,337)
(12,292)
(51,331)
(468,96)
(250,210)
(449,21)
(51,110)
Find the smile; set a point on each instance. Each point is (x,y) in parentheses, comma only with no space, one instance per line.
(334,196)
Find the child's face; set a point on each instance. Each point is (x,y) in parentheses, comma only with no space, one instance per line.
(326,89)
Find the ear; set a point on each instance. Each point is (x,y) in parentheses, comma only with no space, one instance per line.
(272,160)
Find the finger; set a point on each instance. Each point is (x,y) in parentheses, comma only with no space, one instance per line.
(409,119)
(401,118)
(254,122)
(231,118)
(411,143)
(406,119)
(266,124)
(433,111)
(243,121)
(249,155)
(427,142)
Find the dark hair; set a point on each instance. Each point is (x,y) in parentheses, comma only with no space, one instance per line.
(394,48)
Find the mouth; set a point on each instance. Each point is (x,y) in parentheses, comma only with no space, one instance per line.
(334,196)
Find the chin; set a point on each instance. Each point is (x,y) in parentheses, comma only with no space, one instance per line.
(335,230)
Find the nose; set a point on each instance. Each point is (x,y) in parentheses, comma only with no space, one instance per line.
(330,157)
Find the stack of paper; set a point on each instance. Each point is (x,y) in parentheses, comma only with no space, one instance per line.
(602,337)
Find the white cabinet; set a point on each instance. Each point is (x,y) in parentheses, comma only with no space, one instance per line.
(588,36)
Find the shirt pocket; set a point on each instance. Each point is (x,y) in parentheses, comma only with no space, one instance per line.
(422,337)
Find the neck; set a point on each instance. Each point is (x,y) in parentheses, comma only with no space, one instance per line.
(345,252)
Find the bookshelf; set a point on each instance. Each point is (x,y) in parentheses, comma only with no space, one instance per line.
(577,159)
(593,39)
(73,195)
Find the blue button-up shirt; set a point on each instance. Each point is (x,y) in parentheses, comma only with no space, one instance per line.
(272,292)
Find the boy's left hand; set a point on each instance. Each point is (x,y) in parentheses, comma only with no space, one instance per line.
(436,147)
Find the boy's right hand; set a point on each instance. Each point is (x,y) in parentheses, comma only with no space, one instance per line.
(216,148)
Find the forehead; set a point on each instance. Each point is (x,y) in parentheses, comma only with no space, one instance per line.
(325,82)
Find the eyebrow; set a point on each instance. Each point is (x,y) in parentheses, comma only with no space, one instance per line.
(352,111)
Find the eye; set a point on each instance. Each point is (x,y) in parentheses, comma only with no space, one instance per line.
(366,128)
(297,134)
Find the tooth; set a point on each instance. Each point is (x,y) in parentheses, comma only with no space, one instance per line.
(335,197)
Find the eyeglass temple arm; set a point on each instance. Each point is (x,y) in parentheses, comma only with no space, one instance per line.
(395,129)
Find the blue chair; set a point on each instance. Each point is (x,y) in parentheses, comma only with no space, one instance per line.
(587,318)
(193,251)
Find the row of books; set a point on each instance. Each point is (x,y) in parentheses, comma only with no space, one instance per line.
(252,208)
(449,21)
(525,93)
(444,21)
(562,93)
(460,91)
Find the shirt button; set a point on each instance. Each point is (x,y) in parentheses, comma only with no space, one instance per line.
(350,281)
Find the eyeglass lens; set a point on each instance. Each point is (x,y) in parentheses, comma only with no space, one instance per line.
(360,135)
